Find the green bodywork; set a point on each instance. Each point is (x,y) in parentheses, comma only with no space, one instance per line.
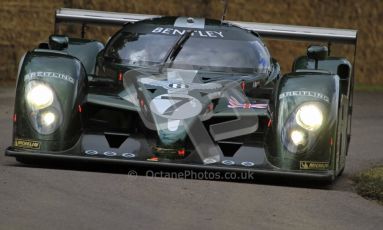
(75,62)
(330,83)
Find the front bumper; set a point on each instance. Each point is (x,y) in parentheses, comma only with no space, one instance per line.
(72,155)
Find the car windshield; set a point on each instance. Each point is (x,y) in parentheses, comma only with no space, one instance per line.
(197,53)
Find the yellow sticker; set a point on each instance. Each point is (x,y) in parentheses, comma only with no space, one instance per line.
(28,144)
(313,165)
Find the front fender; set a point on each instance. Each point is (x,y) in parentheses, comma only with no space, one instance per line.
(294,90)
(65,75)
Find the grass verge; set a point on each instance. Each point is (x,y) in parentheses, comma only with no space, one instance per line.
(369,88)
(369,184)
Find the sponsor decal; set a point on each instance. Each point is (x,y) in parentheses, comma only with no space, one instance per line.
(210,161)
(128,155)
(29,144)
(91,152)
(234,103)
(228,162)
(178,86)
(306,94)
(313,165)
(196,33)
(110,154)
(36,75)
(247,163)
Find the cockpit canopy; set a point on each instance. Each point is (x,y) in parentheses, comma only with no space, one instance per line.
(219,48)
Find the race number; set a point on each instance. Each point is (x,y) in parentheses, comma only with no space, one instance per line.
(176,106)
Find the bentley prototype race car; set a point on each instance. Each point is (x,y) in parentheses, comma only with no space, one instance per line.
(186,92)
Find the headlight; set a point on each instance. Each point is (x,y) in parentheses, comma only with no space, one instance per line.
(298,137)
(39,95)
(43,107)
(47,118)
(309,116)
(46,121)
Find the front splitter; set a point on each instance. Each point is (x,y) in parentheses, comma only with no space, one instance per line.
(68,156)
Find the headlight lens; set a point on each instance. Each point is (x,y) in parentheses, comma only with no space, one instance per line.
(46,121)
(298,137)
(309,116)
(48,118)
(43,107)
(39,96)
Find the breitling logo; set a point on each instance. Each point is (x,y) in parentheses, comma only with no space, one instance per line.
(305,93)
(34,75)
(198,33)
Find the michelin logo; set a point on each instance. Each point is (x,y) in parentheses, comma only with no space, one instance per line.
(27,144)
(305,93)
(313,165)
(199,33)
(34,75)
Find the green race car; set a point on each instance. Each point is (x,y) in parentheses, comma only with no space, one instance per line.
(186,92)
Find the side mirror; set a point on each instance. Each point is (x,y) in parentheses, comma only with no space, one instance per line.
(58,42)
(317,52)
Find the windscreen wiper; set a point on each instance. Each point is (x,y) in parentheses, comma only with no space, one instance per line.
(176,48)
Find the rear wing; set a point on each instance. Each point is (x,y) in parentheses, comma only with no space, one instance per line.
(273,31)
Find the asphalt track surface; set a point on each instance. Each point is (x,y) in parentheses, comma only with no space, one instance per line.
(68,196)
